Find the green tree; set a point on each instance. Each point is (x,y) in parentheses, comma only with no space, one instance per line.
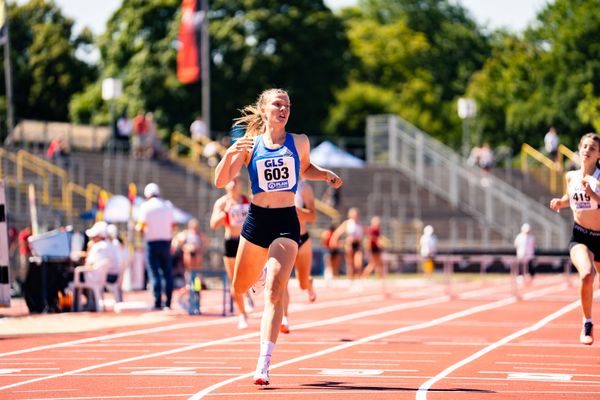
(423,51)
(46,69)
(298,45)
(138,48)
(503,88)
(549,76)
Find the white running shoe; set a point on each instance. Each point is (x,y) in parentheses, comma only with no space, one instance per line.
(248,303)
(261,376)
(242,322)
(259,285)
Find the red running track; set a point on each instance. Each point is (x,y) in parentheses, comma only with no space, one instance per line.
(416,342)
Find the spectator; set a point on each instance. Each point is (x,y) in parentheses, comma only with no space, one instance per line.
(115,273)
(58,152)
(525,247)
(156,219)
(428,249)
(486,157)
(100,249)
(198,130)
(474,156)
(123,131)
(211,153)
(551,142)
(155,147)
(140,141)
(24,253)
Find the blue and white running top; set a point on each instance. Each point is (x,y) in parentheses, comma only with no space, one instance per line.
(274,170)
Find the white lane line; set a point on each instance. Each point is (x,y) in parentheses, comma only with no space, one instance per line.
(161,329)
(570,356)
(347,393)
(510,372)
(405,352)
(156,387)
(546,368)
(335,320)
(437,321)
(528,345)
(546,364)
(379,360)
(348,369)
(140,396)
(422,391)
(45,390)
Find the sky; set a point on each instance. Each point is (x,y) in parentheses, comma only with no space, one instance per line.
(514,15)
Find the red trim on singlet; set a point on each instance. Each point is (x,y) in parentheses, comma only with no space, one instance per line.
(245,200)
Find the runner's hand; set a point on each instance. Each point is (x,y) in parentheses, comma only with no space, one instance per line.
(333,180)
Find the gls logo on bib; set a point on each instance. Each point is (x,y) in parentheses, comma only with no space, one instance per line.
(276,174)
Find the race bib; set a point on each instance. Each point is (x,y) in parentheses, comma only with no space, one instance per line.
(580,200)
(276,174)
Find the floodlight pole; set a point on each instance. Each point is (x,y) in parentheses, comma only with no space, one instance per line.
(205,66)
(10,113)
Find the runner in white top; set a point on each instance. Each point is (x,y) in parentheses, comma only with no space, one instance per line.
(353,229)
(583,196)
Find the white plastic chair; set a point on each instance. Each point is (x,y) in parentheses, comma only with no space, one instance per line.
(116,287)
(95,280)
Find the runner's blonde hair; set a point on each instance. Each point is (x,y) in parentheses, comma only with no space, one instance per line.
(252,119)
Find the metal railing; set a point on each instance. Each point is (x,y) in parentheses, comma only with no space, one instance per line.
(549,174)
(47,172)
(565,152)
(433,165)
(187,153)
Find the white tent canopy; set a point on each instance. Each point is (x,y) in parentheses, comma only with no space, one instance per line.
(329,155)
(118,208)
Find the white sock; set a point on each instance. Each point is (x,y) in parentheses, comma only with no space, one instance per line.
(266,349)
(284,321)
(587,320)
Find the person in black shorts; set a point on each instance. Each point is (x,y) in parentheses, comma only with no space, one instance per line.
(276,160)
(583,196)
(230,212)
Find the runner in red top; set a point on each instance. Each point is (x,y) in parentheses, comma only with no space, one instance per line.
(374,249)
(230,211)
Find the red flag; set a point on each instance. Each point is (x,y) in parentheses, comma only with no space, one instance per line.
(188,60)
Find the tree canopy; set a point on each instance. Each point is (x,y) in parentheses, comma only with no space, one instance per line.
(414,58)
(297,45)
(46,70)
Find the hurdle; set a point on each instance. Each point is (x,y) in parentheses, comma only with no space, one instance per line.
(195,291)
(4,268)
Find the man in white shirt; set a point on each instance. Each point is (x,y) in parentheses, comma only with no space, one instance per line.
(198,129)
(100,250)
(156,221)
(525,248)
(428,249)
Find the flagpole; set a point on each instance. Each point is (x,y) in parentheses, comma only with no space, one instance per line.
(205,66)
(8,75)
